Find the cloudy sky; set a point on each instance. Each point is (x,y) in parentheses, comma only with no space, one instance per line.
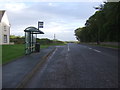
(60,18)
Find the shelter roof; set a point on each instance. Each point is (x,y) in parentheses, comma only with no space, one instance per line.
(33,30)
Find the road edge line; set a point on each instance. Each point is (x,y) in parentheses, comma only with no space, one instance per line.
(29,75)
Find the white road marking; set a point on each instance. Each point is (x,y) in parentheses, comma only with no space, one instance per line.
(96,50)
(53,53)
(85,46)
(90,48)
(68,48)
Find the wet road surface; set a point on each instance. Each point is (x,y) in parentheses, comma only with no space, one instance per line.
(78,66)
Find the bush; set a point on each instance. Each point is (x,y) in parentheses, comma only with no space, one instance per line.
(44,41)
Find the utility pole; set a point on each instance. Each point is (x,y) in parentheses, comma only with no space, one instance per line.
(98,31)
(54,37)
(54,40)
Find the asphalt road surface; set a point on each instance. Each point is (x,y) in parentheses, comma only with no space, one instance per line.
(78,66)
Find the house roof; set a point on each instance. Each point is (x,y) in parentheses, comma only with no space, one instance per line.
(1,14)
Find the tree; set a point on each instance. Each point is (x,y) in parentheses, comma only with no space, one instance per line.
(103,26)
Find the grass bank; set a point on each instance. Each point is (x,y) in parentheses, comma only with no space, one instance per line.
(109,46)
(12,52)
(104,45)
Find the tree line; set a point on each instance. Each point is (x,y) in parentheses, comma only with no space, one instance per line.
(103,26)
(42,41)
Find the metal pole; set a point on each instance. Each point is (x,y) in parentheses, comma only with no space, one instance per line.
(38,25)
(25,44)
(36,38)
(29,42)
(32,42)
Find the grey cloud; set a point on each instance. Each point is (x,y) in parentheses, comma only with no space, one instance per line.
(66,11)
(69,15)
(78,10)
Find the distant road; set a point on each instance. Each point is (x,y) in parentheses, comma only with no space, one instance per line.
(78,66)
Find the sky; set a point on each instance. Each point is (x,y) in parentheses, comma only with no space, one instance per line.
(60,18)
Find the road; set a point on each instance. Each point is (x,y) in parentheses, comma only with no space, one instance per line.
(78,66)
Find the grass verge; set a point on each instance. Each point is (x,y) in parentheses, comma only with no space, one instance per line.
(109,46)
(103,45)
(12,52)
(0,54)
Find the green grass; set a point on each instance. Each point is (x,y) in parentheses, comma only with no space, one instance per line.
(0,54)
(111,46)
(12,52)
(106,45)
(53,44)
(103,45)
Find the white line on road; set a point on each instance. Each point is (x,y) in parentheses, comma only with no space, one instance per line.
(96,50)
(90,48)
(85,46)
(53,53)
(68,48)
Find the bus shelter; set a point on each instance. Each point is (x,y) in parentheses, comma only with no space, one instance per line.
(31,39)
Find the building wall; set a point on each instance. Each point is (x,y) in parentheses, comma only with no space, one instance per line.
(5,34)
(0,34)
(5,30)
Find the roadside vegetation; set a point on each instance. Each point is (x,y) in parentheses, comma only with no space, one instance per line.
(103,45)
(103,26)
(111,46)
(12,52)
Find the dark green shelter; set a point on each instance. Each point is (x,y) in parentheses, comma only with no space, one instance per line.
(30,39)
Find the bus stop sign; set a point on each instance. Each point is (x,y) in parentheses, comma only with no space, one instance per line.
(40,24)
